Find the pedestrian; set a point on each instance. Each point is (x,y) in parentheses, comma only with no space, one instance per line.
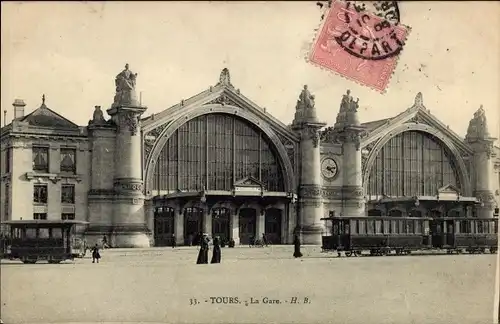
(296,245)
(203,254)
(174,243)
(95,254)
(104,242)
(216,253)
(264,240)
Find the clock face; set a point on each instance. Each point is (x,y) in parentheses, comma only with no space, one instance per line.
(329,168)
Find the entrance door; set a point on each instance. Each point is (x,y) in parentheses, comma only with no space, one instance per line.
(248,219)
(220,223)
(193,220)
(164,226)
(436,229)
(273,226)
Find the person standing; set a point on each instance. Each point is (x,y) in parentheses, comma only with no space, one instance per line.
(296,245)
(203,254)
(95,254)
(216,252)
(174,243)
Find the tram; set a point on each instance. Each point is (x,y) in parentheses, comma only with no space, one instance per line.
(382,235)
(35,240)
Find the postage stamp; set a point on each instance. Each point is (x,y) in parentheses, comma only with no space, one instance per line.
(361,41)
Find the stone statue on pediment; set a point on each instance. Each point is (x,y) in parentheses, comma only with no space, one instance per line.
(306,99)
(125,83)
(305,112)
(98,117)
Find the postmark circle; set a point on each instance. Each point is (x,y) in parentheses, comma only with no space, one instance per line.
(366,34)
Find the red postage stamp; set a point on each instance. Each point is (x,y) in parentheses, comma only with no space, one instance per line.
(360,44)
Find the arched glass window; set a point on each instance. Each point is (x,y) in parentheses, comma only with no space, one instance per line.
(213,151)
(412,164)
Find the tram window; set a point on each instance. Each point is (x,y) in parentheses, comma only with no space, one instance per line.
(43,233)
(394,227)
(17,233)
(356,226)
(418,227)
(387,227)
(30,233)
(362,227)
(464,227)
(486,227)
(370,227)
(378,227)
(409,226)
(57,233)
(347,228)
(480,228)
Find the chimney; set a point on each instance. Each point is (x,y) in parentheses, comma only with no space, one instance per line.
(18,108)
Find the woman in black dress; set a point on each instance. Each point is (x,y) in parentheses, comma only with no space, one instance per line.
(296,244)
(216,253)
(95,254)
(203,254)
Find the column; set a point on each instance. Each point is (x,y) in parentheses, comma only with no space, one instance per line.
(352,188)
(234,227)
(207,222)
(310,189)
(150,218)
(129,224)
(483,166)
(260,226)
(179,226)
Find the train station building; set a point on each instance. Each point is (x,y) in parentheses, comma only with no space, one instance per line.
(219,164)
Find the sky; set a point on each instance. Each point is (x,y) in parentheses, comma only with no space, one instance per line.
(72,51)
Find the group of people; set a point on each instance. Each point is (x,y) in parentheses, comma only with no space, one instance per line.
(203,253)
(204,248)
(216,254)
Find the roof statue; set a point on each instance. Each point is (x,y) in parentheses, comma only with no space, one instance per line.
(305,110)
(98,117)
(419,101)
(347,115)
(225,78)
(306,100)
(478,128)
(125,83)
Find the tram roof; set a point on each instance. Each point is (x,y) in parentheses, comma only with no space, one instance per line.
(44,222)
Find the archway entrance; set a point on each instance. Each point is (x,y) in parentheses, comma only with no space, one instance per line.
(220,223)
(163,226)
(273,225)
(247,220)
(193,222)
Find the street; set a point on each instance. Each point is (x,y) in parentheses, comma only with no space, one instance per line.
(251,285)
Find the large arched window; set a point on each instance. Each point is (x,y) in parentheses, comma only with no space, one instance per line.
(412,163)
(213,151)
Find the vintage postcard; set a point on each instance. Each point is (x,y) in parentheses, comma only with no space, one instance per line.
(250,162)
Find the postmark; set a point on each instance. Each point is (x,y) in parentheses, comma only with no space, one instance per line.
(361,41)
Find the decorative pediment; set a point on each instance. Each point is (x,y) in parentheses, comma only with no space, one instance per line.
(448,192)
(224,99)
(249,183)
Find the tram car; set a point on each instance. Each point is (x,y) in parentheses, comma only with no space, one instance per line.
(383,235)
(35,240)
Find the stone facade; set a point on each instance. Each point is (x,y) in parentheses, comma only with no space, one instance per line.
(110,172)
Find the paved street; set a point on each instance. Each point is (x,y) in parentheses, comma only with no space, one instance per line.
(158,285)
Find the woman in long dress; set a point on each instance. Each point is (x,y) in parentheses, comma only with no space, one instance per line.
(296,244)
(216,252)
(203,254)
